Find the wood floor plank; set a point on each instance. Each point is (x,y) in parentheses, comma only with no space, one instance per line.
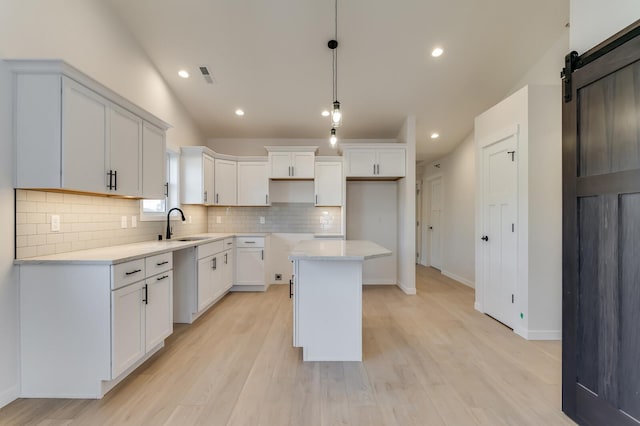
(428,359)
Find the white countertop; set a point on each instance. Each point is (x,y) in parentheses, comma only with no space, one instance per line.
(322,249)
(126,252)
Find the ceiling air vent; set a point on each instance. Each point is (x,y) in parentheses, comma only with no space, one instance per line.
(207,75)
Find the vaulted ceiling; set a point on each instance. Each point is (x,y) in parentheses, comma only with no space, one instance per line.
(271,59)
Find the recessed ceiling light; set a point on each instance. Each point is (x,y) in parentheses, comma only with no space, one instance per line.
(437,52)
(183,74)
(325,113)
(239,112)
(435,135)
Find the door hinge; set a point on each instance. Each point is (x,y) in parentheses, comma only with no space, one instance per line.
(512,298)
(513,155)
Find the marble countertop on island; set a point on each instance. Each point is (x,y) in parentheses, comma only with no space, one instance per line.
(322,249)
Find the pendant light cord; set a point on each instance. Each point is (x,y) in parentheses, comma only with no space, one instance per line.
(335,54)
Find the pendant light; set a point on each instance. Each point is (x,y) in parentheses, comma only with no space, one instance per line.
(333,139)
(336,114)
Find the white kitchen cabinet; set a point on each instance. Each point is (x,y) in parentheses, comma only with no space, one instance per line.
(71,133)
(208,279)
(197,176)
(328,183)
(225,182)
(154,149)
(128,325)
(376,161)
(289,162)
(228,266)
(253,183)
(85,327)
(250,272)
(124,152)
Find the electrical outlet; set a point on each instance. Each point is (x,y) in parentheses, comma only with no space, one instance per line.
(278,277)
(218,219)
(262,221)
(55,223)
(189,218)
(134,221)
(123,222)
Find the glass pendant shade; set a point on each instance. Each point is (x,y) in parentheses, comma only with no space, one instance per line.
(336,115)
(333,139)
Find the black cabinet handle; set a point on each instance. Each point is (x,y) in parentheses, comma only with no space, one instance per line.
(162,263)
(146,294)
(133,272)
(115,180)
(166,189)
(214,264)
(249,242)
(217,198)
(262,254)
(110,184)
(485,238)
(290,288)
(205,196)
(226,258)
(162,278)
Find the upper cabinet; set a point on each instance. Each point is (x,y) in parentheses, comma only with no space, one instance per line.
(197,175)
(71,133)
(291,162)
(225,182)
(374,160)
(253,183)
(328,181)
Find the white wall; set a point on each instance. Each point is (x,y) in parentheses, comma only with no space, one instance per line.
(407,211)
(594,21)
(88,35)
(458,226)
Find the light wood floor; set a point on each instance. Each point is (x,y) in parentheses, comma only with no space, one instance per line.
(429,359)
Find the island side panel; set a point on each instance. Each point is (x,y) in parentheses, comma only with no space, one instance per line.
(330,310)
(65,329)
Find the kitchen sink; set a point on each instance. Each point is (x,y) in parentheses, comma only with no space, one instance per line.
(192,238)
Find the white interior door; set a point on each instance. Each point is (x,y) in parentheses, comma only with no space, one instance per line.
(418,220)
(435,223)
(499,226)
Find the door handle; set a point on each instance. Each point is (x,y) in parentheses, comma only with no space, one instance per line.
(290,288)
(485,238)
(214,263)
(146,294)
(115,180)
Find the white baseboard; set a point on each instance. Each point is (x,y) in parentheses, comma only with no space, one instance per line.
(407,290)
(539,334)
(9,395)
(378,281)
(476,306)
(458,278)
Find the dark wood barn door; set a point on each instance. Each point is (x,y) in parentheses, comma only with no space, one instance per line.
(601,234)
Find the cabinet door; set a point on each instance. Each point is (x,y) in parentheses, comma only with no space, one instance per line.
(127,327)
(391,162)
(208,180)
(250,266)
(328,184)
(253,184)
(158,309)
(303,164)
(225,182)
(280,163)
(228,268)
(360,162)
(84,115)
(125,151)
(206,291)
(153,162)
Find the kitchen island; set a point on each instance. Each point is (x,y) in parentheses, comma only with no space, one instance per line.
(327,297)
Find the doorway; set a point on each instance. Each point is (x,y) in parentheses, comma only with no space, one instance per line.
(601,230)
(434,226)
(418,220)
(498,227)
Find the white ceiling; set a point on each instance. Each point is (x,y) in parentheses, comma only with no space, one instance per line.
(271,59)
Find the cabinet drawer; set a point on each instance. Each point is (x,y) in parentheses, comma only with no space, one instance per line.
(229,243)
(158,263)
(208,249)
(127,273)
(250,242)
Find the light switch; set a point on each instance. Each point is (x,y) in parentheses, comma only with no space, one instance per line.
(134,221)
(262,220)
(218,219)
(55,223)
(123,222)
(189,218)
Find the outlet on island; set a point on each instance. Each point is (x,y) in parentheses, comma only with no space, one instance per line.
(278,277)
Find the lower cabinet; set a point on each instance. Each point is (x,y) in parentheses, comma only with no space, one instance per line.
(84,327)
(249,264)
